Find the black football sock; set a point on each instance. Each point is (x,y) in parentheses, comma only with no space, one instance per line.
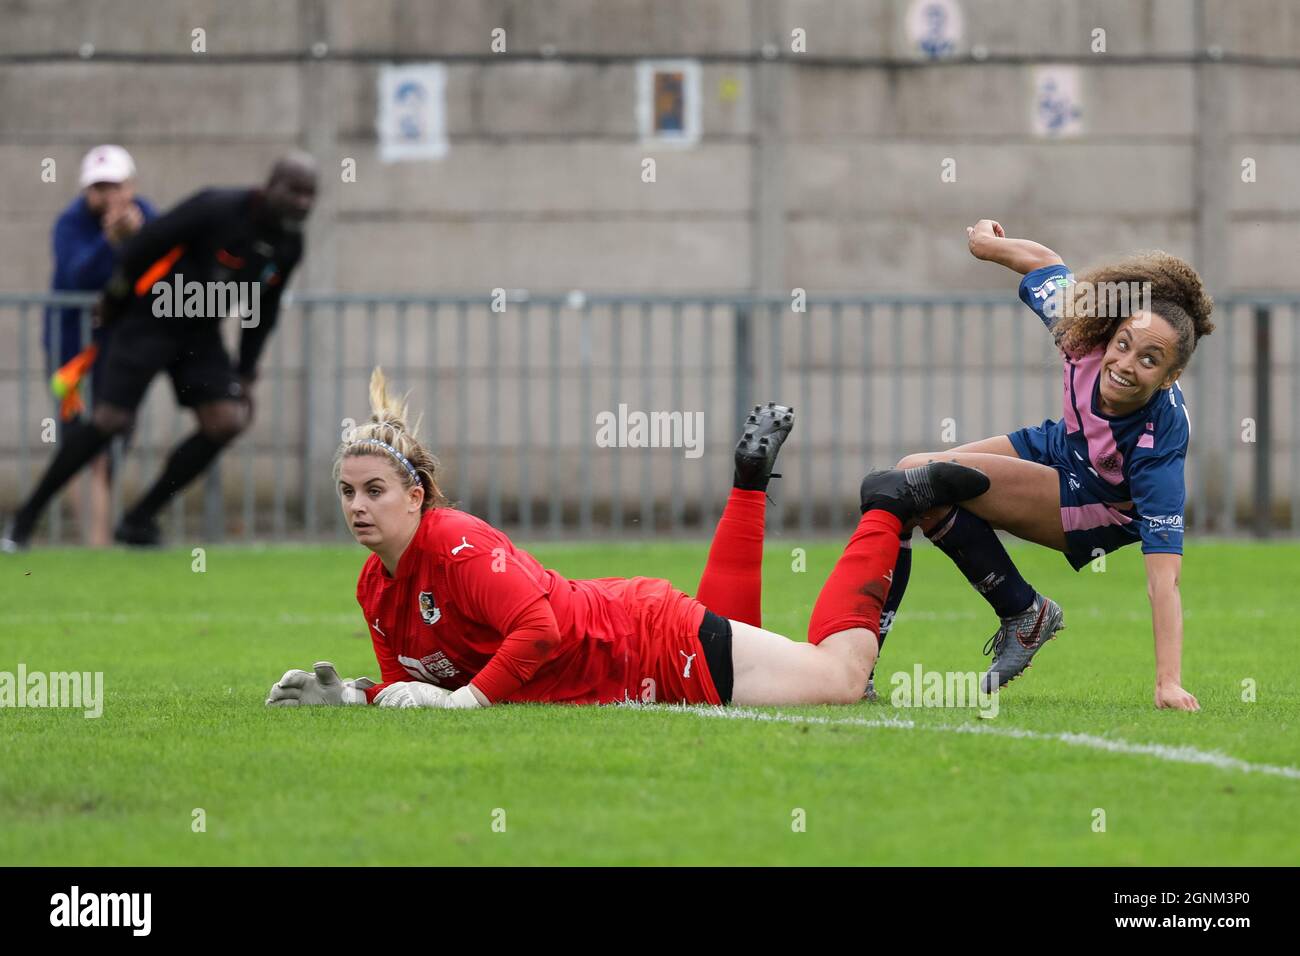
(897,587)
(81,442)
(187,461)
(973,546)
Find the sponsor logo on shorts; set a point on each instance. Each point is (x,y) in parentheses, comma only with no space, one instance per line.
(1165,522)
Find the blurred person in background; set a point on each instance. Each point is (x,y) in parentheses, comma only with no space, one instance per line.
(87,237)
(216,241)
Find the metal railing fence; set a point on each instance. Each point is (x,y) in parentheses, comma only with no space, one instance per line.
(513,403)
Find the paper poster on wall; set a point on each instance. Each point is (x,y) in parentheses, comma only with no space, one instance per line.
(668,101)
(934,27)
(412,120)
(1058,101)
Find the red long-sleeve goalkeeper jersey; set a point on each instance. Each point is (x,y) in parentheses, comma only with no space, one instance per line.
(461,588)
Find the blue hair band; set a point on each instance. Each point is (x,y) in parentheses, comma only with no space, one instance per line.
(392,451)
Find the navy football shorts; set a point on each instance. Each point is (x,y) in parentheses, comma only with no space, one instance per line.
(1092,526)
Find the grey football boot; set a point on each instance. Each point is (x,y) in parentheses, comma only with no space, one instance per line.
(1019,639)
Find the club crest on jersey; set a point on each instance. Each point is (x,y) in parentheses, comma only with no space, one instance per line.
(1110,462)
(429,610)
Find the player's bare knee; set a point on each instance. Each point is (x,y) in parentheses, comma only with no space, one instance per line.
(854,654)
(852,684)
(111,420)
(221,431)
(222,422)
(862,668)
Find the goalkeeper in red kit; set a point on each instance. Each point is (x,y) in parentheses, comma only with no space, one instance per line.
(461,618)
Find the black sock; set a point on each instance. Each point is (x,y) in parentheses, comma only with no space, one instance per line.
(81,442)
(897,586)
(186,462)
(973,546)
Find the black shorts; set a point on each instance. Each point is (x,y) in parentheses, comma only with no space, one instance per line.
(715,638)
(191,352)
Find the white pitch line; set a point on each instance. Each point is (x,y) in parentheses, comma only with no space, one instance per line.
(1184,754)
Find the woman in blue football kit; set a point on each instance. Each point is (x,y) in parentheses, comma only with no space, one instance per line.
(1108,473)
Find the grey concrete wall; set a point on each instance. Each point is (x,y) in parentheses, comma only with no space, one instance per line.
(541,186)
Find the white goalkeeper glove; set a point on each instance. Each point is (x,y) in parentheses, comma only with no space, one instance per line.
(419,694)
(298,688)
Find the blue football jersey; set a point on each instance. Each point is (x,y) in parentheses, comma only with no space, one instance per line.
(1136,457)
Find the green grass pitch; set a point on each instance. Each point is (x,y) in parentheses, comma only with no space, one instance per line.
(188,657)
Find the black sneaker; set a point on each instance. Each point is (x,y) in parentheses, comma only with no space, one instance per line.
(909,494)
(765,430)
(138,534)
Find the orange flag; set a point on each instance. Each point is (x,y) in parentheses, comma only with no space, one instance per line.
(66,382)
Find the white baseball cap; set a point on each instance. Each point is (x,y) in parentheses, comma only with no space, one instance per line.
(106,164)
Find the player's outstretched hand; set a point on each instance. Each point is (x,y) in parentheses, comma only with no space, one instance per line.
(413,693)
(298,688)
(983,230)
(1174,697)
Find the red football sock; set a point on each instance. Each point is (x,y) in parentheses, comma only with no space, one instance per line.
(732,583)
(860,580)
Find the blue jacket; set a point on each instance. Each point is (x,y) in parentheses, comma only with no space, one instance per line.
(83,262)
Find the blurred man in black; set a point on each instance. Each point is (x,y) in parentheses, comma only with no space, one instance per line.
(213,239)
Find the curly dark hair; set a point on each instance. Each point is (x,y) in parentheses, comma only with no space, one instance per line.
(1177,295)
